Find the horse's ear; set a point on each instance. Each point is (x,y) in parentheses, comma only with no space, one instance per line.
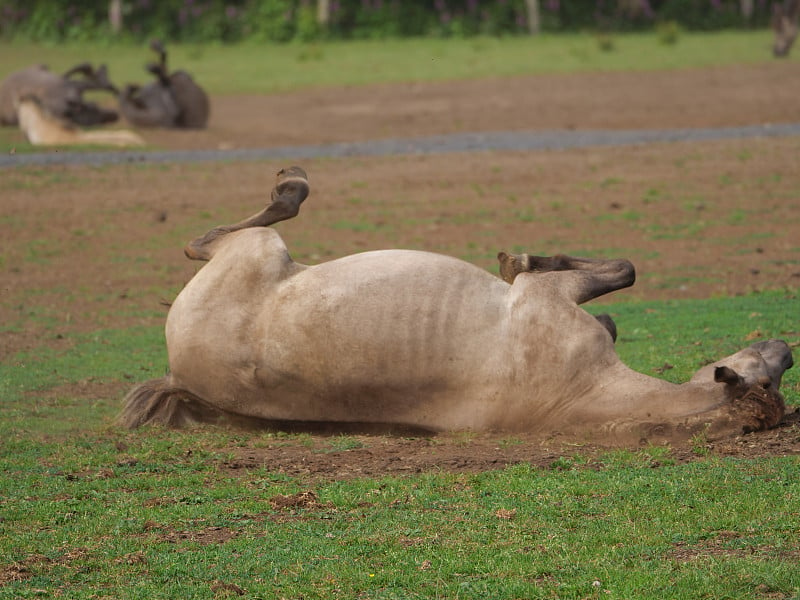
(727,375)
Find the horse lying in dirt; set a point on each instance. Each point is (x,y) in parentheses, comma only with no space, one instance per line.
(174,100)
(423,340)
(41,128)
(61,95)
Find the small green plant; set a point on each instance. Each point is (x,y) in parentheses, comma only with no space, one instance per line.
(562,463)
(343,443)
(668,33)
(361,225)
(737,217)
(605,42)
(525,216)
(509,441)
(464,438)
(631,216)
(695,204)
(648,457)
(610,182)
(700,445)
(310,52)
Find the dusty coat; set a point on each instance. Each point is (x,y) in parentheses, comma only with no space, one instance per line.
(415,338)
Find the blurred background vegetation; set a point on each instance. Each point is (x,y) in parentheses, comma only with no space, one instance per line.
(228,21)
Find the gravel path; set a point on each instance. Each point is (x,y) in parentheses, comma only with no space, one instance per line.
(438,144)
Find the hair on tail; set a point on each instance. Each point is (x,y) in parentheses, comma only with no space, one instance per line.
(158,402)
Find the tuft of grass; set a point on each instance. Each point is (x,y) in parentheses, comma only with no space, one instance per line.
(605,42)
(464,438)
(700,445)
(509,441)
(360,225)
(668,33)
(343,443)
(647,457)
(652,195)
(679,231)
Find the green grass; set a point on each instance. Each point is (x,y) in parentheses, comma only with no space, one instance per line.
(88,510)
(689,334)
(713,529)
(164,522)
(274,68)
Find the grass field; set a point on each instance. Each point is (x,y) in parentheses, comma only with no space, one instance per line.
(272,68)
(89,511)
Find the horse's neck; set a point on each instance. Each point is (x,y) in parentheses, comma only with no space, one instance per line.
(628,393)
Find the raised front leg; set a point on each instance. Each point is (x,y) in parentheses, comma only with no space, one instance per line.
(291,188)
(83,68)
(590,277)
(158,71)
(157,46)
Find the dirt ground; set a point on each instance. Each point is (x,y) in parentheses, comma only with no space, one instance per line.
(715,97)
(86,248)
(320,457)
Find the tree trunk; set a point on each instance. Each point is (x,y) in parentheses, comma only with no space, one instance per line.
(534,17)
(746,7)
(323,12)
(115,15)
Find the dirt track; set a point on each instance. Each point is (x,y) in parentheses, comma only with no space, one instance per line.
(376,456)
(86,248)
(718,97)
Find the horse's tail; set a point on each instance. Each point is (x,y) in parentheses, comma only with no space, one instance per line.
(159,402)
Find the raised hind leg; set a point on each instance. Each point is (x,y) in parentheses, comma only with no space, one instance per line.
(291,188)
(593,276)
(157,46)
(586,278)
(83,68)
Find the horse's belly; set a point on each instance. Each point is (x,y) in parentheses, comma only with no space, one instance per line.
(374,337)
(400,329)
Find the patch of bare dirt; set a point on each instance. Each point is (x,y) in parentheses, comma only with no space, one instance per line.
(306,500)
(32,564)
(379,456)
(730,544)
(207,536)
